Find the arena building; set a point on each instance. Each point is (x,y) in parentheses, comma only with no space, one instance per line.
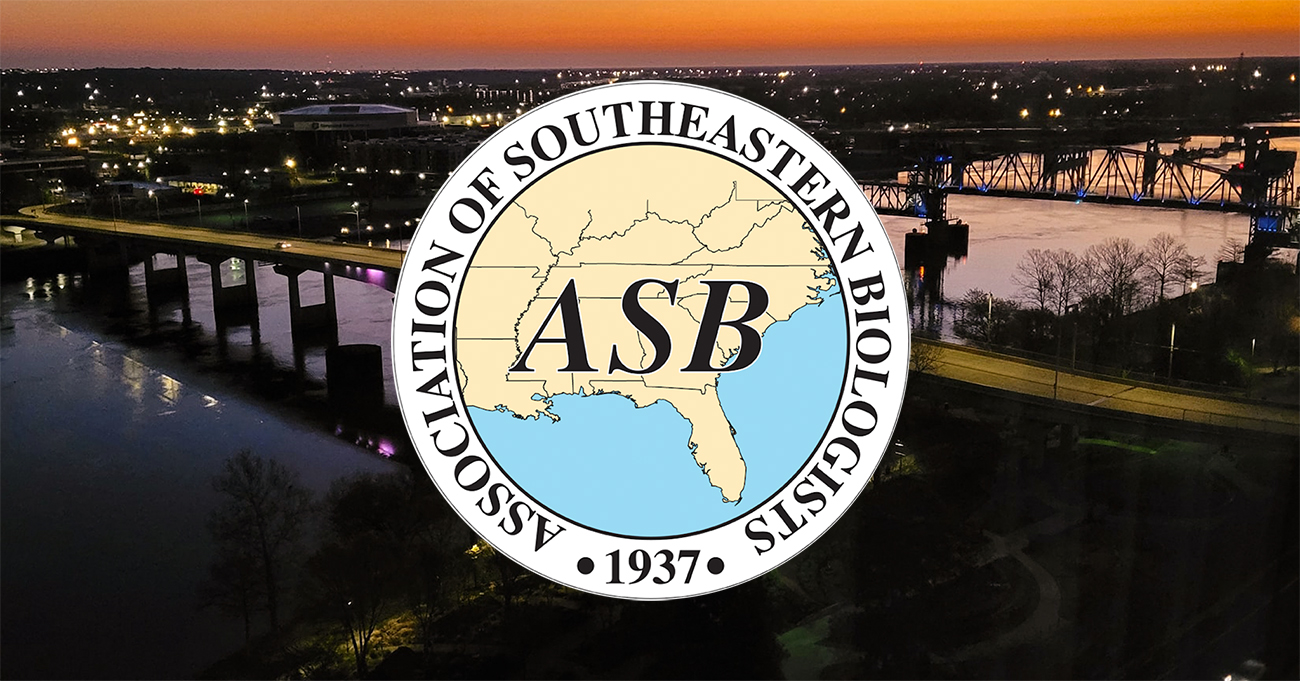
(320,130)
(365,118)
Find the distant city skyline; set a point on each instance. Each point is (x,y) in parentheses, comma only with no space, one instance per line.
(515,34)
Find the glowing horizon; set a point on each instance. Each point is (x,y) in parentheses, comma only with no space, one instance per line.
(518,34)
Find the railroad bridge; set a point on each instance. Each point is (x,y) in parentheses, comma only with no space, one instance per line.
(1262,185)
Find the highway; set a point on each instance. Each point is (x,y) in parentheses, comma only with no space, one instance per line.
(1013,374)
(244,244)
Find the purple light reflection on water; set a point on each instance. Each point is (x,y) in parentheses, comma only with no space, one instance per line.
(377,277)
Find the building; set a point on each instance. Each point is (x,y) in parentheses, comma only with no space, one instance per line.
(351,118)
(320,129)
(195,184)
(426,153)
(142,190)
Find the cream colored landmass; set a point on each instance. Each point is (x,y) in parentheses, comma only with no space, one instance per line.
(604,222)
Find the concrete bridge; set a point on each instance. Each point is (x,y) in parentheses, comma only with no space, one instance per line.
(111,246)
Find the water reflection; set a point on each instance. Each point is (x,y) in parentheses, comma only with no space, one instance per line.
(108,452)
(1003,229)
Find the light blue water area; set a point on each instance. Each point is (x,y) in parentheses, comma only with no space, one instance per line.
(613,467)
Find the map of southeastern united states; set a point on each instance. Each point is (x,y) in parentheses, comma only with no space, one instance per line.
(604,222)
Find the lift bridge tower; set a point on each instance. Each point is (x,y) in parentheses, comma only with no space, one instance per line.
(1267,180)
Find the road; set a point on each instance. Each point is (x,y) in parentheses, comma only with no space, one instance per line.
(260,247)
(1016,375)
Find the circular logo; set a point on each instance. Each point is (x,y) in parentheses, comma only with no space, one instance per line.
(650,340)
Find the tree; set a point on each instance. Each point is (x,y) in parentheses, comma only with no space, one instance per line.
(982,317)
(355,584)
(364,569)
(1113,268)
(1036,278)
(925,356)
(1232,250)
(258,528)
(1068,273)
(1162,258)
(440,566)
(234,587)
(1190,270)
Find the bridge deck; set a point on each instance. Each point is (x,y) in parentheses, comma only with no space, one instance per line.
(313,254)
(1015,375)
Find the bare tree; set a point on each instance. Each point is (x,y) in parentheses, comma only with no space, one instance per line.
(1036,278)
(1232,250)
(234,586)
(440,568)
(359,576)
(355,584)
(925,356)
(262,521)
(1161,259)
(1190,270)
(1113,270)
(1068,273)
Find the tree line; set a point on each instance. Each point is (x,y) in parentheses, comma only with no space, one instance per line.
(1118,305)
(333,570)
(354,583)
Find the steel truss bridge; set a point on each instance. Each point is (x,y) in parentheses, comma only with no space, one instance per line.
(1263,185)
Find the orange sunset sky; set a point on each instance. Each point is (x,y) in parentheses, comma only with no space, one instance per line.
(377,34)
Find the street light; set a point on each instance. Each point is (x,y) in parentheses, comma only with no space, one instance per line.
(356,210)
(1172,328)
(200,203)
(157,212)
(989,325)
(1074,337)
(246,225)
(299,210)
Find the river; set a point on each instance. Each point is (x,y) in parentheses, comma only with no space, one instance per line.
(109,449)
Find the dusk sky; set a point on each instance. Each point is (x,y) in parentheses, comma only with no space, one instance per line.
(374,34)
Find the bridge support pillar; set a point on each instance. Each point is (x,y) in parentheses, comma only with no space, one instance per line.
(355,378)
(311,323)
(235,305)
(168,284)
